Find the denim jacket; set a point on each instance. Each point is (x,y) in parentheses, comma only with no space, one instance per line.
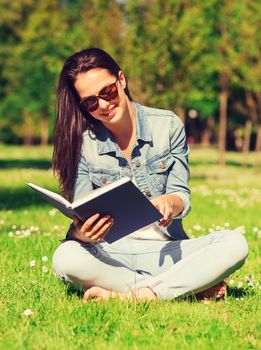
(159,160)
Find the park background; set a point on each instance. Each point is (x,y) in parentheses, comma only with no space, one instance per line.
(200,59)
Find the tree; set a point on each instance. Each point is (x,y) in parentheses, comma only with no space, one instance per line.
(13,19)
(231,27)
(52,31)
(248,72)
(161,62)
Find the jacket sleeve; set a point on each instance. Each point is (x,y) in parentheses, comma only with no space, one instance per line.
(178,178)
(83,184)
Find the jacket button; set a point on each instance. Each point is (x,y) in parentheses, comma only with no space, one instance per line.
(104,179)
(162,165)
(137,163)
(148,193)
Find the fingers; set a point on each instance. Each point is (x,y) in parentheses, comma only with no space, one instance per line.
(166,210)
(159,204)
(166,223)
(87,225)
(94,229)
(167,220)
(103,231)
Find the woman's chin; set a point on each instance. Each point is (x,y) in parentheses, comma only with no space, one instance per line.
(111,116)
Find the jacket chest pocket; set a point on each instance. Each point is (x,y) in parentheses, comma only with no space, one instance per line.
(159,170)
(100,177)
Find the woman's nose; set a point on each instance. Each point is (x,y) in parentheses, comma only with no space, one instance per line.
(103,104)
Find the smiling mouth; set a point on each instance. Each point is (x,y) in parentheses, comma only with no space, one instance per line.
(108,112)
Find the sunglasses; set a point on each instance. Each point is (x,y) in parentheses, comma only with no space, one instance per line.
(108,93)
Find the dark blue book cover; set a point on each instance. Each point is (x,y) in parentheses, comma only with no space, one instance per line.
(126,204)
(122,200)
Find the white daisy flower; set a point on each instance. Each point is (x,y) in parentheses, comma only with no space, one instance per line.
(32,263)
(197,227)
(28,313)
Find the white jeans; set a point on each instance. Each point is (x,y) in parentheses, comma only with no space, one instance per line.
(169,268)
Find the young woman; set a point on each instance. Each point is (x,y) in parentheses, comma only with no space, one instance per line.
(102,135)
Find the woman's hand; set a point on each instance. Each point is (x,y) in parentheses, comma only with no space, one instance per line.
(94,229)
(169,205)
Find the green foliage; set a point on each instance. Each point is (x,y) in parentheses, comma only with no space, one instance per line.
(51,32)
(176,54)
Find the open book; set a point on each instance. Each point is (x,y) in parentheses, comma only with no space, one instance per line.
(126,204)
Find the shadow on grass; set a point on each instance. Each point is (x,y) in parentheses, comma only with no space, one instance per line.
(11,198)
(237,292)
(25,163)
(71,290)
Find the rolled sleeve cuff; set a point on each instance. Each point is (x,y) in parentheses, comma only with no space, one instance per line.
(186,204)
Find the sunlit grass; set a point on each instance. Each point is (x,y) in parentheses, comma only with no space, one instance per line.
(30,230)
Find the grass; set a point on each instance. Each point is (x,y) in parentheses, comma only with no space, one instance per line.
(29,230)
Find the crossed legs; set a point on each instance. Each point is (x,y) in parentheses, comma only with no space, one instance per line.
(167,269)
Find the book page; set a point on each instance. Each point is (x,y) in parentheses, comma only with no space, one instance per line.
(50,194)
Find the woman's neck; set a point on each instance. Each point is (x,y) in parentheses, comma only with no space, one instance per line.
(125,133)
(126,126)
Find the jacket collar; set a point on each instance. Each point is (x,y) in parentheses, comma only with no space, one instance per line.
(106,142)
(143,130)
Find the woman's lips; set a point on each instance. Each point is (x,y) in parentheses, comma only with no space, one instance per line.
(109,113)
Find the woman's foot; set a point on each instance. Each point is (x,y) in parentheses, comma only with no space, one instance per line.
(216,292)
(98,293)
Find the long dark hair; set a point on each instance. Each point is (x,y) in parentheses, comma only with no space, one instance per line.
(71,120)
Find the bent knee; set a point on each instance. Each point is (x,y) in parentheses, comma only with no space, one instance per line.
(61,260)
(237,245)
(73,263)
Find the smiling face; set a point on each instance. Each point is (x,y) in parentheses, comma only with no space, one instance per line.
(94,82)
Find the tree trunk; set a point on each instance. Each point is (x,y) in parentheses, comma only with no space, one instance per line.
(223,99)
(253,103)
(207,132)
(251,106)
(204,138)
(246,143)
(257,149)
(28,140)
(181,113)
(44,131)
(27,130)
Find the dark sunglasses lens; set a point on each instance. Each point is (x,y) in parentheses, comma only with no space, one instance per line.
(90,104)
(109,93)
(93,107)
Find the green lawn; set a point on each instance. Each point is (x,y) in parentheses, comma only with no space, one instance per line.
(30,231)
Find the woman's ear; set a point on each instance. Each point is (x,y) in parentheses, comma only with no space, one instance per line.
(122,79)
